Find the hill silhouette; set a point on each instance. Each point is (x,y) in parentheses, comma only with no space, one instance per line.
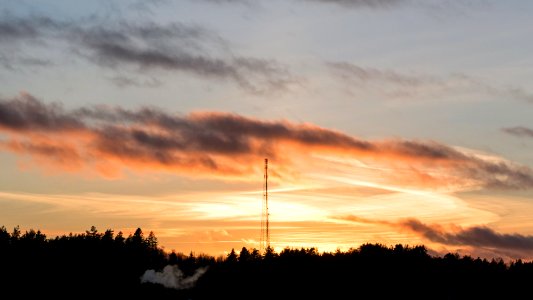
(108,265)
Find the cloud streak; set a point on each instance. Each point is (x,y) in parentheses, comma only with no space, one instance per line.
(16,30)
(400,84)
(375,4)
(519,131)
(174,47)
(178,47)
(109,139)
(362,3)
(361,75)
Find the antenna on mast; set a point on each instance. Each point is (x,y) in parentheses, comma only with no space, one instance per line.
(265,234)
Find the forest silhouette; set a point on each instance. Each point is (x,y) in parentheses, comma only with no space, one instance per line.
(109,265)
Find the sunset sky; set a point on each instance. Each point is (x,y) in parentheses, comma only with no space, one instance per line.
(391,121)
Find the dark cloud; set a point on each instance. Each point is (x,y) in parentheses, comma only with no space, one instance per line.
(178,48)
(430,149)
(16,29)
(149,46)
(153,135)
(26,113)
(519,131)
(213,132)
(476,236)
(493,174)
(225,132)
(501,175)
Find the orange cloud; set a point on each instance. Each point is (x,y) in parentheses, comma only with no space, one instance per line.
(110,139)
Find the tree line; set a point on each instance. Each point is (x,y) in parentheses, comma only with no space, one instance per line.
(109,265)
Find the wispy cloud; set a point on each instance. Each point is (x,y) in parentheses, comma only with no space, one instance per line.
(361,75)
(16,29)
(376,4)
(149,46)
(431,5)
(402,84)
(519,131)
(111,138)
(16,33)
(125,81)
(180,48)
(227,1)
(362,3)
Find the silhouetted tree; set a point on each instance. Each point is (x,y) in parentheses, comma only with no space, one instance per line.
(103,265)
(255,255)
(232,256)
(269,253)
(5,238)
(244,255)
(137,238)
(151,240)
(173,258)
(16,233)
(92,233)
(119,239)
(108,236)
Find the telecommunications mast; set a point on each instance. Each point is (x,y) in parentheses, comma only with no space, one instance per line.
(265,234)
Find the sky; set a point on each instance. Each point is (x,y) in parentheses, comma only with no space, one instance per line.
(390,121)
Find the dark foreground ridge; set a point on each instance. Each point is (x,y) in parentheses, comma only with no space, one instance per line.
(106,265)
